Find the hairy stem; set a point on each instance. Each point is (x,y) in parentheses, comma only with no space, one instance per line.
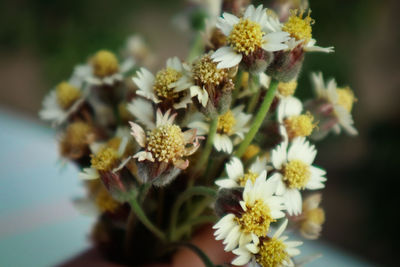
(202,163)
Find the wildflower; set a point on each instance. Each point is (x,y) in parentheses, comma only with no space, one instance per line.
(295,172)
(236,175)
(138,50)
(208,83)
(168,87)
(165,143)
(312,217)
(333,106)
(233,122)
(75,141)
(64,101)
(104,69)
(247,37)
(258,209)
(251,151)
(269,252)
(293,122)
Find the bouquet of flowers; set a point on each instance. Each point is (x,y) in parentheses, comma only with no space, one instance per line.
(218,138)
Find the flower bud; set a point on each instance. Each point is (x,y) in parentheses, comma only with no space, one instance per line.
(286,65)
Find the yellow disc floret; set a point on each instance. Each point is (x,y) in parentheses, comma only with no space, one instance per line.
(272,253)
(248,176)
(246,36)
(301,125)
(316,216)
(226,122)
(205,72)
(105,160)
(287,89)
(67,94)
(299,27)
(104,63)
(296,174)
(251,151)
(166,143)
(256,219)
(346,98)
(104,201)
(163,81)
(77,133)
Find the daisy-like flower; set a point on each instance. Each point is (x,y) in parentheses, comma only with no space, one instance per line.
(293,123)
(258,209)
(312,217)
(236,175)
(233,122)
(268,252)
(300,30)
(247,36)
(208,82)
(295,172)
(109,157)
(340,101)
(169,87)
(165,143)
(62,102)
(104,69)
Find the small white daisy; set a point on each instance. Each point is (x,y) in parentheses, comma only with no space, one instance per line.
(104,69)
(169,86)
(311,220)
(295,172)
(292,122)
(233,122)
(165,143)
(268,252)
(246,36)
(258,209)
(236,175)
(342,100)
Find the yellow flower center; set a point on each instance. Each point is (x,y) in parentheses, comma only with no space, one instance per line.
(246,36)
(249,175)
(299,27)
(105,160)
(67,94)
(114,143)
(316,215)
(256,219)
(166,143)
(164,79)
(226,122)
(346,98)
(251,151)
(205,71)
(272,253)
(104,63)
(287,89)
(104,200)
(77,133)
(301,125)
(296,174)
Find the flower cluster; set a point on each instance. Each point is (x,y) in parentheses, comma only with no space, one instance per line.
(223,126)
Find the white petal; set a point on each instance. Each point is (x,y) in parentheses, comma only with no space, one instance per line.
(227,57)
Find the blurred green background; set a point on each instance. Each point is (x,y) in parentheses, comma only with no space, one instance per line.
(41,41)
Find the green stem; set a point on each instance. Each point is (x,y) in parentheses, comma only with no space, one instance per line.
(145,220)
(201,164)
(255,88)
(195,190)
(238,85)
(259,118)
(187,226)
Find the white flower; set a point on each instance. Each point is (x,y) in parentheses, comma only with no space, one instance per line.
(104,69)
(269,252)
(170,85)
(295,172)
(246,35)
(259,208)
(311,220)
(233,122)
(292,122)
(342,100)
(165,143)
(236,175)
(63,101)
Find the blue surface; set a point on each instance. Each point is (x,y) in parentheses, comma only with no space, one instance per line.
(38,224)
